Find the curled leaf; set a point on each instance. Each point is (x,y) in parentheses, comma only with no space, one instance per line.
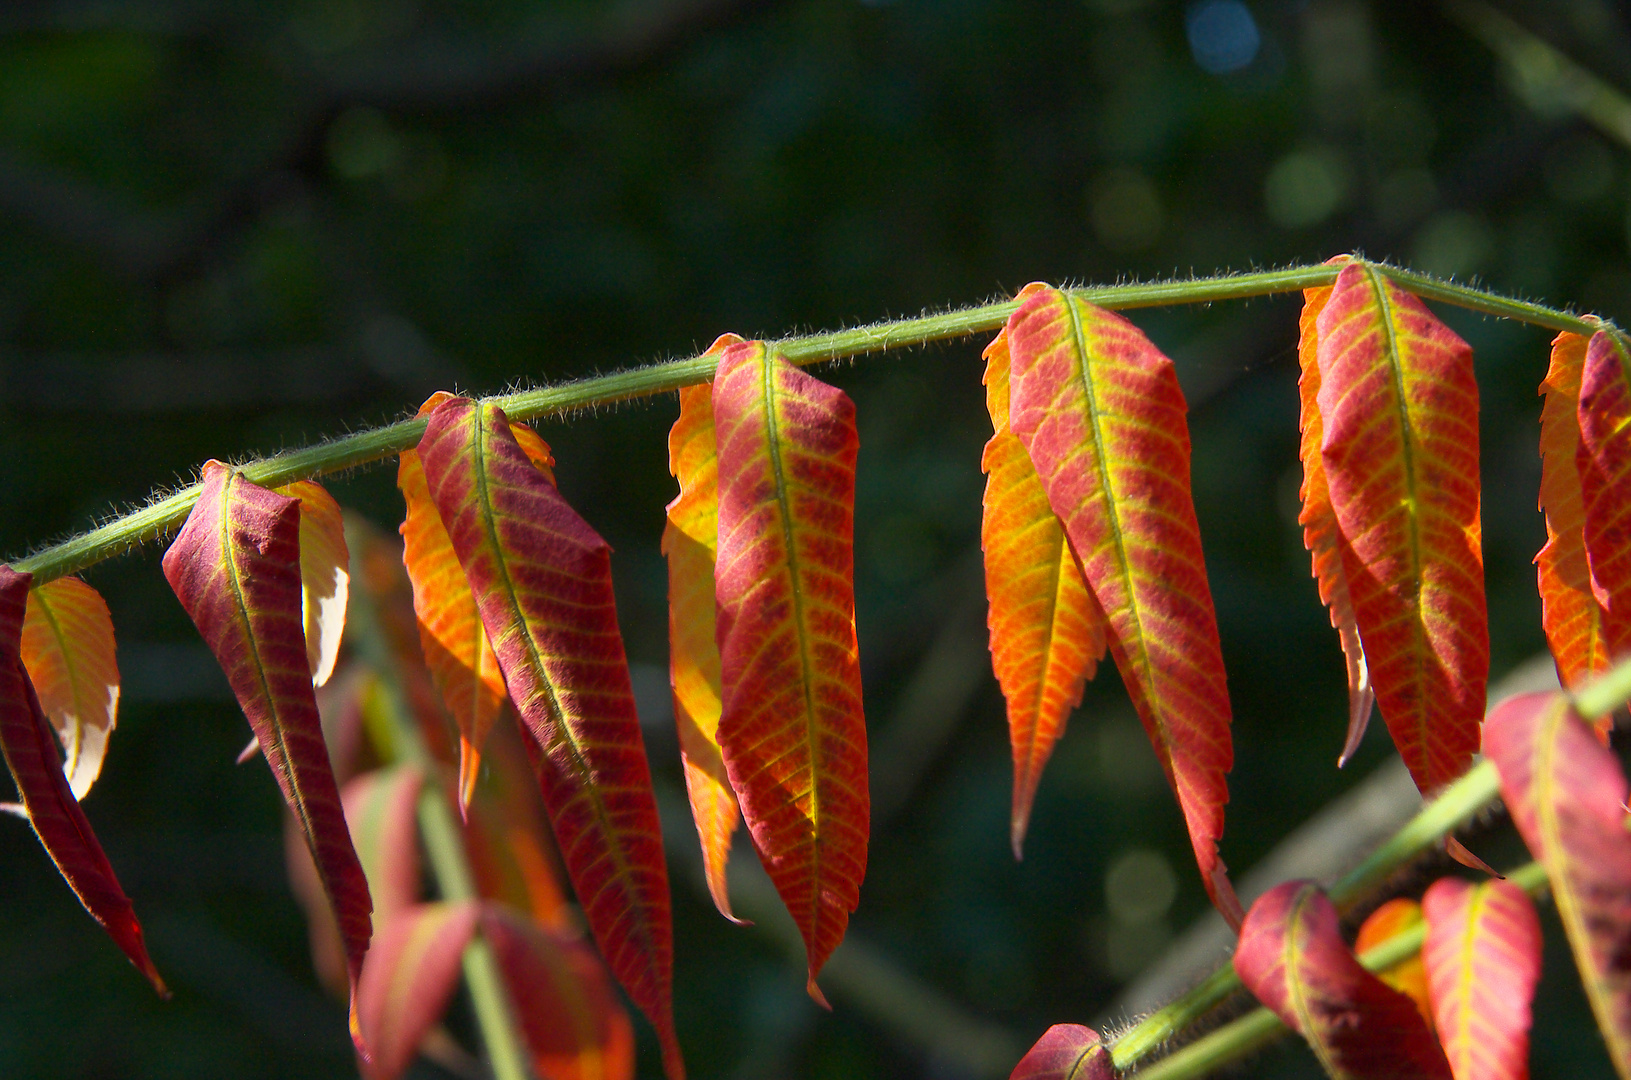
(325,576)
(791,728)
(1100,413)
(1047,632)
(1066,1052)
(31,753)
(1292,957)
(542,580)
(1482,956)
(68,650)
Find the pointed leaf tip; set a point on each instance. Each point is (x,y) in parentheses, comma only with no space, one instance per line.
(1292,958)
(1399,450)
(235,566)
(1047,632)
(68,650)
(543,587)
(1566,793)
(1101,415)
(31,753)
(791,728)
(1066,1052)
(1482,958)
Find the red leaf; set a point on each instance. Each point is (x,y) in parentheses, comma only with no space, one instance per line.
(1066,1052)
(690,538)
(1566,793)
(31,753)
(1569,613)
(69,653)
(235,566)
(1047,632)
(1400,452)
(1292,958)
(542,579)
(382,812)
(1100,412)
(456,648)
(408,978)
(1604,461)
(1408,976)
(1321,535)
(1482,955)
(791,729)
(571,1021)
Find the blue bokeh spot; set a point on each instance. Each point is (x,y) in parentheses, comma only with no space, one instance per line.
(1223,36)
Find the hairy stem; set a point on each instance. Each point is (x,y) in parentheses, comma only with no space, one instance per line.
(164,515)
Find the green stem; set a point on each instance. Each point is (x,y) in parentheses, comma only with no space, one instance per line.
(165,514)
(1260,1027)
(444,843)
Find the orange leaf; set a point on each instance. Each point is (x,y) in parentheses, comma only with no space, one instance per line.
(1566,793)
(408,979)
(1400,453)
(31,754)
(325,576)
(235,566)
(1101,415)
(69,653)
(690,538)
(507,837)
(456,648)
(1604,461)
(1408,976)
(1569,613)
(791,729)
(1047,632)
(1482,958)
(543,585)
(1321,536)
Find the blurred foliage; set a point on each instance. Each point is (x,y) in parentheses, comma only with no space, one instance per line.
(233,226)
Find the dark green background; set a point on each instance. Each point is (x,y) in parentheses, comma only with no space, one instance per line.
(230,228)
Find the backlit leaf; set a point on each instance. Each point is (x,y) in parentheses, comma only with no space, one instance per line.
(409,978)
(456,648)
(1047,632)
(30,749)
(381,809)
(1566,793)
(1400,452)
(1604,461)
(1321,536)
(1066,1052)
(1099,410)
(571,1020)
(507,837)
(1292,957)
(791,729)
(542,579)
(1408,976)
(690,538)
(1569,612)
(69,653)
(1482,954)
(235,566)
(325,576)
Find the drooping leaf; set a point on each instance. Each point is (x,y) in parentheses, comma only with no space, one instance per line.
(1101,415)
(69,653)
(1569,612)
(457,651)
(1604,462)
(1047,632)
(1400,453)
(690,538)
(30,749)
(1408,976)
(1066,1052)
(791,729)
(1292,957)
(572,1023)
(1321,536)
(542,579)
(325,576)
(1482,956)
(235,566)
(408,978)
(1566,793)
(381,809)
